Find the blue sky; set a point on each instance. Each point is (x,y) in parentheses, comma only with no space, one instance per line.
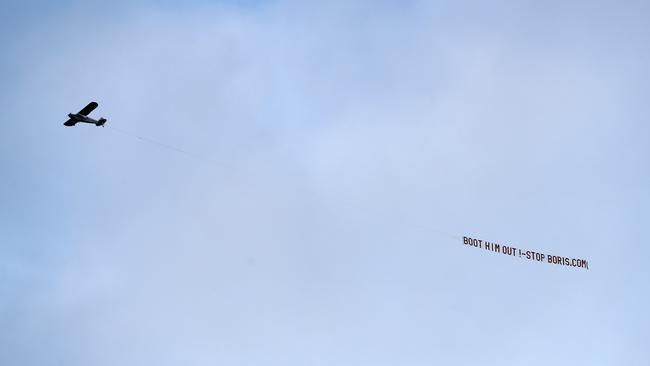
(335,153)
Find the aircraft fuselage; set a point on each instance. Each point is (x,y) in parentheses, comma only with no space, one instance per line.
(76,117)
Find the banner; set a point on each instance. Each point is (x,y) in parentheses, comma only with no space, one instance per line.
(525,254)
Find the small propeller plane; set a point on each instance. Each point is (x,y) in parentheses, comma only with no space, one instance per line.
(82,116)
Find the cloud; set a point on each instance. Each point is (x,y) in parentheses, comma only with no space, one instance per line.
(334,153)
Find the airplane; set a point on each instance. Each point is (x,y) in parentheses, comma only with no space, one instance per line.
(82,116)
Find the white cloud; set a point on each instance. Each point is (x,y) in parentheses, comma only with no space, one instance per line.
(332,150)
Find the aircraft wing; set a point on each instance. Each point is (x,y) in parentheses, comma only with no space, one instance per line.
(69,122)
(89,108)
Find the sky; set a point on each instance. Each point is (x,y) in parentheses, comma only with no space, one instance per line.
(288,182)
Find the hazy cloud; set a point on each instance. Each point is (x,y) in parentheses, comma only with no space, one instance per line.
(334,151)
